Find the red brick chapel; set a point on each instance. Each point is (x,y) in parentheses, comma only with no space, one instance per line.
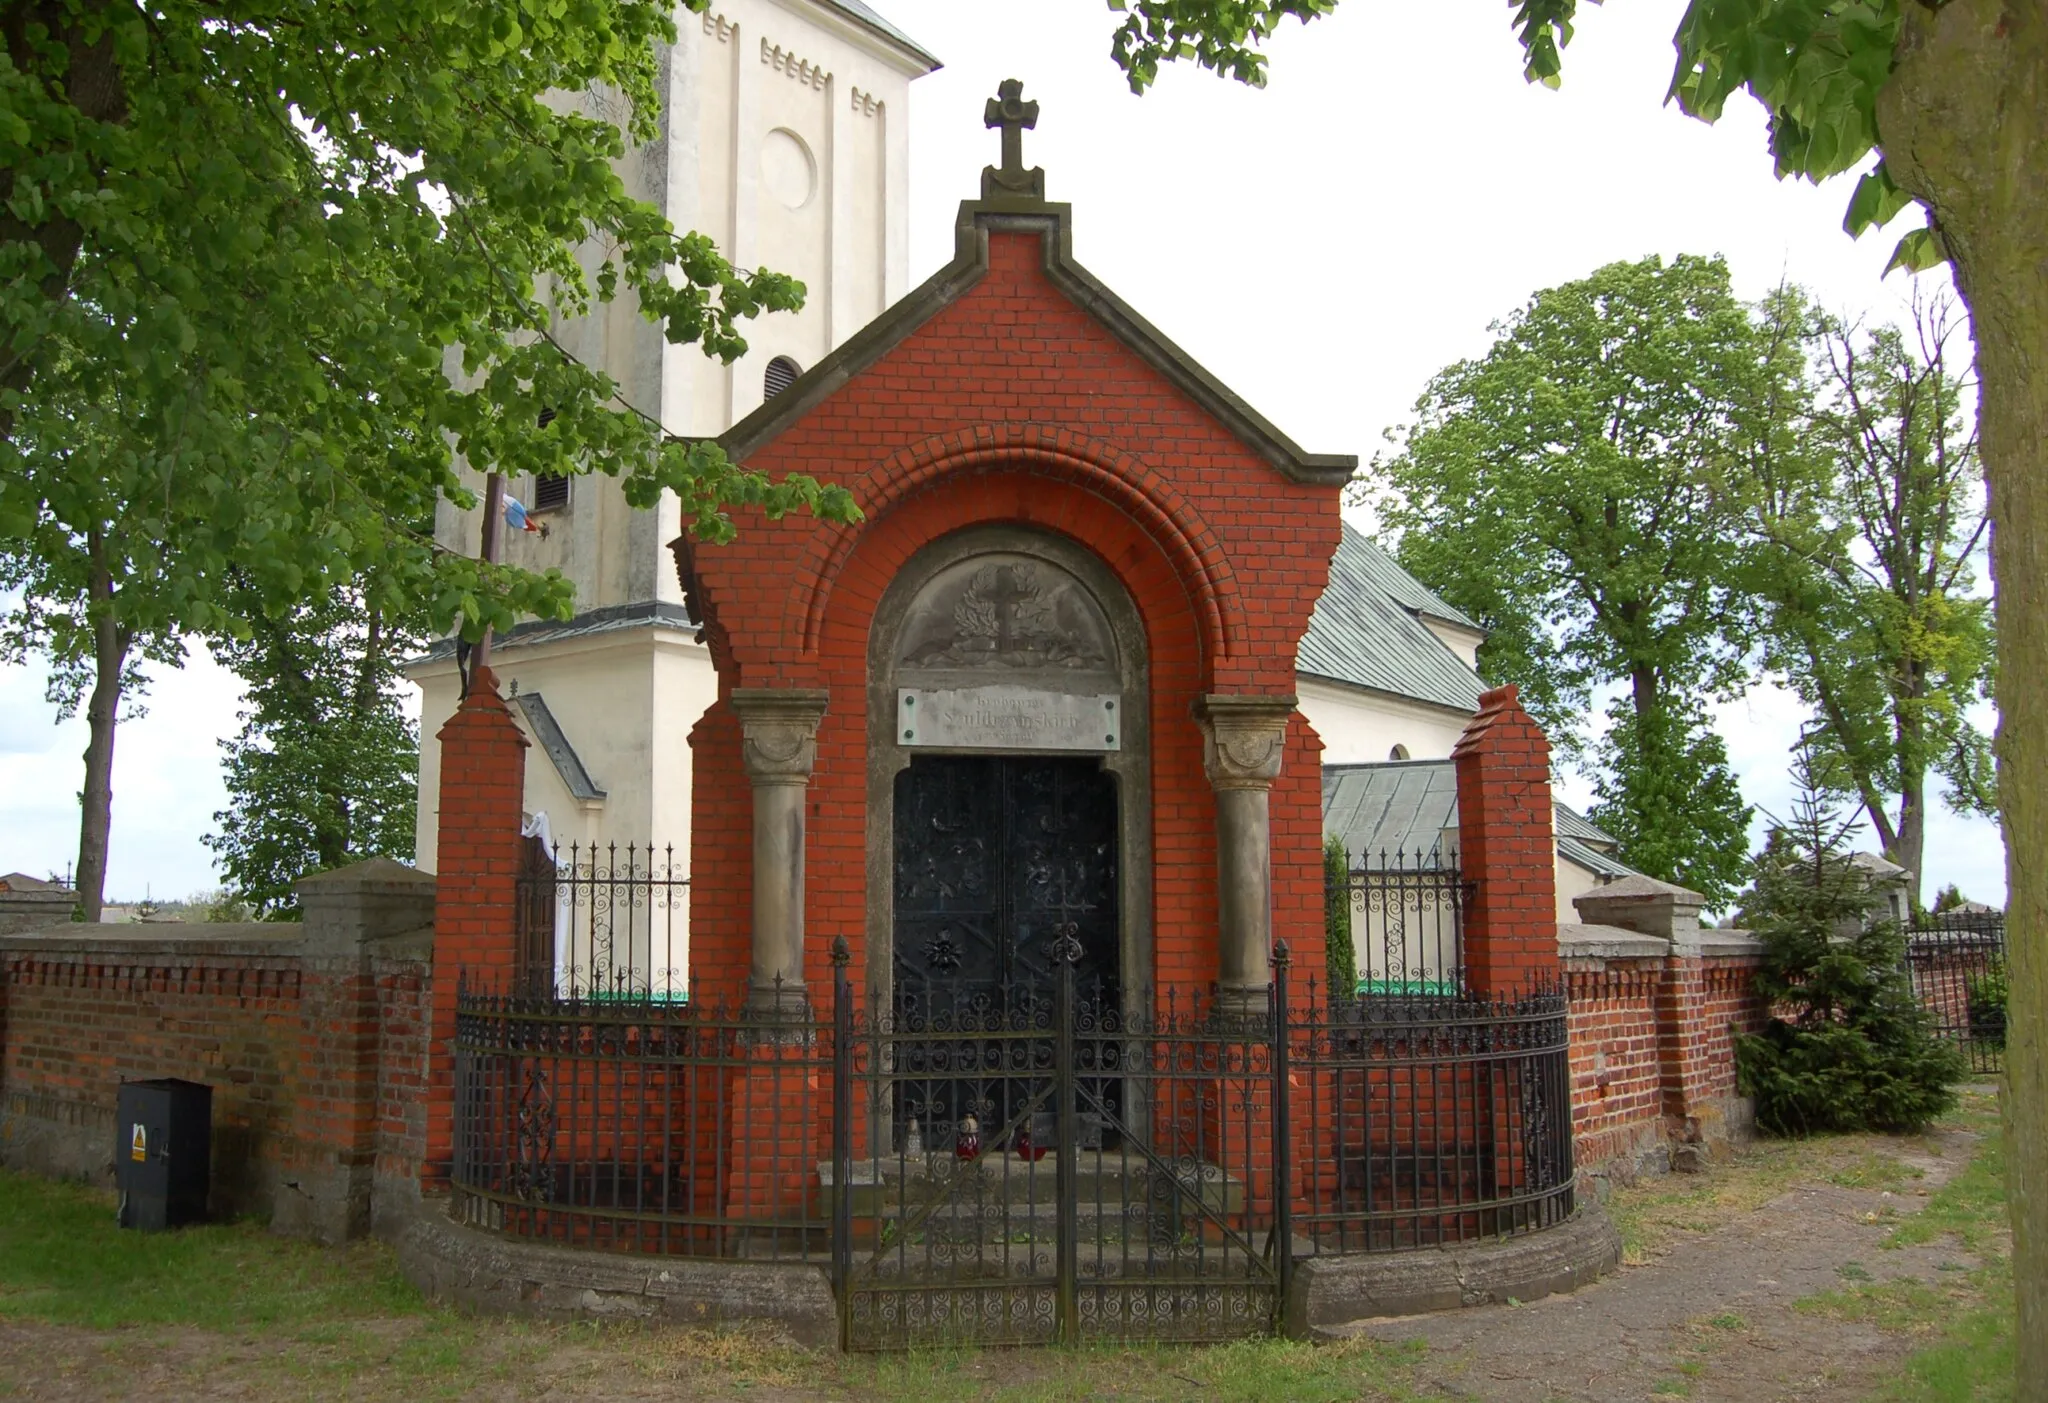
(1063,519)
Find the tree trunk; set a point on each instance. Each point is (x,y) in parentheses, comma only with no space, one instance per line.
(1964,125)
(110,646)
(1909,848)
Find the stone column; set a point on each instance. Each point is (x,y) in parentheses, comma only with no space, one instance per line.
(1243,740)
(780,727)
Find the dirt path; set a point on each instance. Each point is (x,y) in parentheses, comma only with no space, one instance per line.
(1715,1316)
(1721,1306)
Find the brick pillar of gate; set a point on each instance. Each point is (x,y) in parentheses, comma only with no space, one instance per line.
(1508,850)
(477,860)
(779,1123)
(1508,859)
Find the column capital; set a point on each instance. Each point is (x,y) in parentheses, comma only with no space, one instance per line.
(1243,739)
(780,726)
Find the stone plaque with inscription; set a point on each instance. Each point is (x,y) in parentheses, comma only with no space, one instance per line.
(1008,718)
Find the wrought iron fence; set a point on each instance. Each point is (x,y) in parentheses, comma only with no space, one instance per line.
(1429,1120)
(1957,964)
(1405,914)
(604,922)
(1028,1165)
(1017,1165)
(598,1120)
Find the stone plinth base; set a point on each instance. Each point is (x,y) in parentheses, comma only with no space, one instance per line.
(1332,1291)
(503,1276)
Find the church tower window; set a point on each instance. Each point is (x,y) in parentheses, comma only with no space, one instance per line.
(550,492)
(782,373)
(1399,752)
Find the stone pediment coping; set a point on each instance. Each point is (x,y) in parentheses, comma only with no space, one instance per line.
(977,220)
(1582,941)
(1729,942)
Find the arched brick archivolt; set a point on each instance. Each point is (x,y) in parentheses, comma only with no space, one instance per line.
(1106,477)
(1180,840)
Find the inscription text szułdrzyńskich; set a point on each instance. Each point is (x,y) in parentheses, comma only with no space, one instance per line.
(1008,718)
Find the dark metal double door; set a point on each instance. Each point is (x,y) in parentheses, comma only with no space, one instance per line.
(997,858)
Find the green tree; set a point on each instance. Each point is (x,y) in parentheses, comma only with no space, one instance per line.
(1340,954)
(78,598)
(1578,490)
(1849,1047)
(1953,96)
(325,770)
(1868,578)
(315,254)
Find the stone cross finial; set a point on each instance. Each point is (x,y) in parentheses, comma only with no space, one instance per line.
(1009,111)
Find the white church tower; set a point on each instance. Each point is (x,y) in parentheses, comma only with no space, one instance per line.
(784,140)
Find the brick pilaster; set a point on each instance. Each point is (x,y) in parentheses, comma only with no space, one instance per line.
(1507,848)
(478,857)
(325,1189)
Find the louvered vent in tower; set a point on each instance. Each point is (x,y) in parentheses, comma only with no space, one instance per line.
(782,373)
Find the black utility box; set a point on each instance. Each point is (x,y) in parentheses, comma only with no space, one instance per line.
(163,1153)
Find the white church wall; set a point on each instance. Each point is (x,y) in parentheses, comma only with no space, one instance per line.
(601,691)
(1361,727)
(1462,641)
(1572,881)
(737,75)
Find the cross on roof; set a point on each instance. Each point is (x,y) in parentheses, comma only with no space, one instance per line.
(1009,111)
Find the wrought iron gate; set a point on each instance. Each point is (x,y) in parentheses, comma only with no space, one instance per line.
(1035,1164)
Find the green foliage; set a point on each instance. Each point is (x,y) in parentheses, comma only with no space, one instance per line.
(1340,955)
(326,767)
(1988,994)
(1671,801)
(1850,1048)
(1867,577)
(1580,491)
(1221,35)
(266,237)
(219,907)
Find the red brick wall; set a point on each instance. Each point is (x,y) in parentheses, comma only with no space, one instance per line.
(1653,1050)
(478,857)
(1617,1078)
(209,1005)
(1508,850)
(1013,405)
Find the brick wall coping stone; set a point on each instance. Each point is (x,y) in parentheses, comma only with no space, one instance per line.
(1584,941)
(1729,942)
(245,939)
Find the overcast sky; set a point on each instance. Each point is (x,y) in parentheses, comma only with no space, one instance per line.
(1323,246)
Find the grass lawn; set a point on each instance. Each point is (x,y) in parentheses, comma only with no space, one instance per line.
(282,1318)
(88,1311)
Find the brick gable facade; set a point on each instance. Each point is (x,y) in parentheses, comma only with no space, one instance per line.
(1010,402)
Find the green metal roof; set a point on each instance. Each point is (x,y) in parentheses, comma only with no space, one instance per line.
(1400,809)
(1407,591)
(1365,631)
(1395,809)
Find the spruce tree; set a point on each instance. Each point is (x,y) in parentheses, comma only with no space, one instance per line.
(1850,1048)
